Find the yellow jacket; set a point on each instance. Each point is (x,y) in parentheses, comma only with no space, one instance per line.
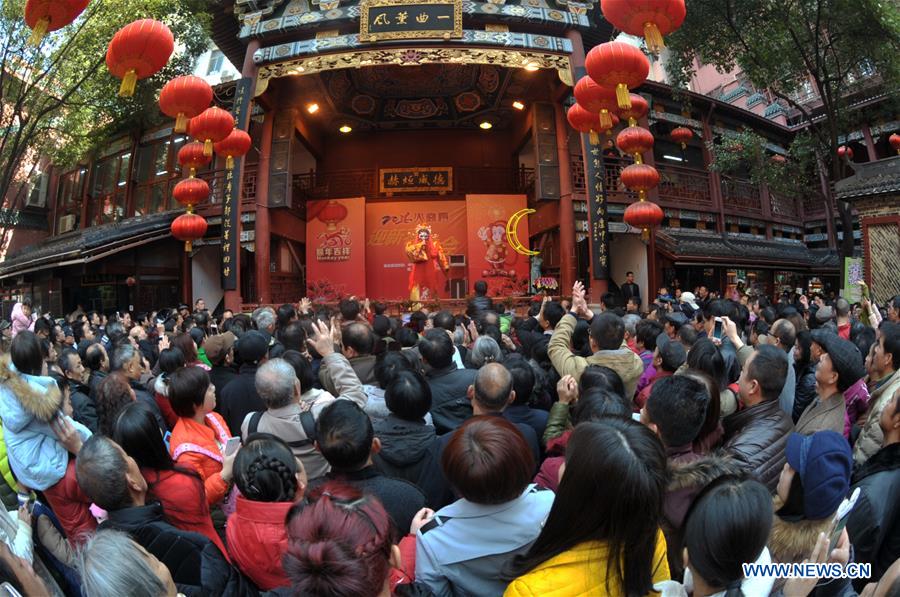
(580,571)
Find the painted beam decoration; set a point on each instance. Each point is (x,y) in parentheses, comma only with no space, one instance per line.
(385,20)
(415,180)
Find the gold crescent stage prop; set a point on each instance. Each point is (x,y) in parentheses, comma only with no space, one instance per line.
(512,232)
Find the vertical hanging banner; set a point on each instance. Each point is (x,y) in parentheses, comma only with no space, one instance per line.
(494,255)
(598,212)
(231,196)
(335,248)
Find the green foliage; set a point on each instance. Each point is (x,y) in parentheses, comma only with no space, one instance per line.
(780,45)
(746,154)
(60,100)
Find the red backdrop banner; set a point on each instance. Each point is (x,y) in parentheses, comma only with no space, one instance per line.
(491,257)
(335,248)
(390,225)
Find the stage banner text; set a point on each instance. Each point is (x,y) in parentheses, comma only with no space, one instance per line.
(335,248)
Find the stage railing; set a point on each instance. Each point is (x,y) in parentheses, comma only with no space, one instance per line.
(364,183)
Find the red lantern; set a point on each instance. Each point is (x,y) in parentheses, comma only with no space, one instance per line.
(191,156)
(895,142)
(648,18)
(211,126)
(778,159)
(584,122)
(43,16)
(635,140)
(597,99)
(619,66)
(138,51)
(331,214)
(682,135)
(190,192)
(638,109)
(183,98)
(645,215)
(845,153)
(235,145)
(640,178)
(189,227)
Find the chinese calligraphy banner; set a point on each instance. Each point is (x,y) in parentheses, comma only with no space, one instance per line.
(231,202)
(383,19)
(598,213)
(491,256)
(390,225)
(335,260)
(415,180)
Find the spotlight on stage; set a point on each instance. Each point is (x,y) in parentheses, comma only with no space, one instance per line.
(518,105)
(312,108)
(485,125)
(345,129)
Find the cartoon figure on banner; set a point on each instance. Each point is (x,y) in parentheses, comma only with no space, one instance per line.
(427,255)
(496,250)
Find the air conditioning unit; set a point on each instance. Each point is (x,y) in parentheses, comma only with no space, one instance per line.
(66,224)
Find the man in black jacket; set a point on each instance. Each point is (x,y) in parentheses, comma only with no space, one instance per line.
(239,397)
(127,360)
(83,408)
(481,302)
(346,439)
(96,360)
(113,481)
(449,407)
(756,437)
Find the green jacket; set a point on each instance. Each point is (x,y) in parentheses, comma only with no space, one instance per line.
(8,485)
(623,361)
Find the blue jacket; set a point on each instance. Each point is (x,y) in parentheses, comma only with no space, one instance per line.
(462,550)
(28,403)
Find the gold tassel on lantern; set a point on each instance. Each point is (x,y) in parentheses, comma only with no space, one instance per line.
(39,31)
(181,123)
(129,82)
(605,119)
(645,234)
(229,162)
(638,159)
(622,96)
(653,38)
(208,147)
(188,245)
(595,138)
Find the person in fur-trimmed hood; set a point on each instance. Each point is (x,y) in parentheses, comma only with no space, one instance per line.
(29,404)
(812,485)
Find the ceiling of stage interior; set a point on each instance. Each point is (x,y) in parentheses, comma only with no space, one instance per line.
(416,97)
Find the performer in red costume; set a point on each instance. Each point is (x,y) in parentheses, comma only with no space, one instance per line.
(425,252)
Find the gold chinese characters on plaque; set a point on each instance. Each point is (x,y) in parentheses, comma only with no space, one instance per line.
(416,19)
(415,180)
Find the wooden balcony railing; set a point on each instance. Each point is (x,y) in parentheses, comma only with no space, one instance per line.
(364,182)
(782,206)
(682,185)
(741,195)
(157,196)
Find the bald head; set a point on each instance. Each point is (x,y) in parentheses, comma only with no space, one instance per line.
(493,387)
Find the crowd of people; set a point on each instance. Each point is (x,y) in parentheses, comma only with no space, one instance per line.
(340,451)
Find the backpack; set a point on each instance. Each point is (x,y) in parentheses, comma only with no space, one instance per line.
(306,421)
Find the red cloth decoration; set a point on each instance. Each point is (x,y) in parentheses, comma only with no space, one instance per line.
(190,192)
(619,66)
(44,16)
(138,51)
(191,156)
(682,135)
(211,126)
(189,227)
(235,145)
(648,18)
(183,98)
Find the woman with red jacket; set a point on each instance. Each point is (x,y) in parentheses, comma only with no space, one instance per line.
(198,439)
(270,479)
(179,490)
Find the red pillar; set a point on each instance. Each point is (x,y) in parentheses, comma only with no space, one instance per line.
(566,206)
(233,298)
(576,60)
(263,237)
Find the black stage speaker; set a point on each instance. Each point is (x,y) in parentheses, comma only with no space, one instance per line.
(545,151)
